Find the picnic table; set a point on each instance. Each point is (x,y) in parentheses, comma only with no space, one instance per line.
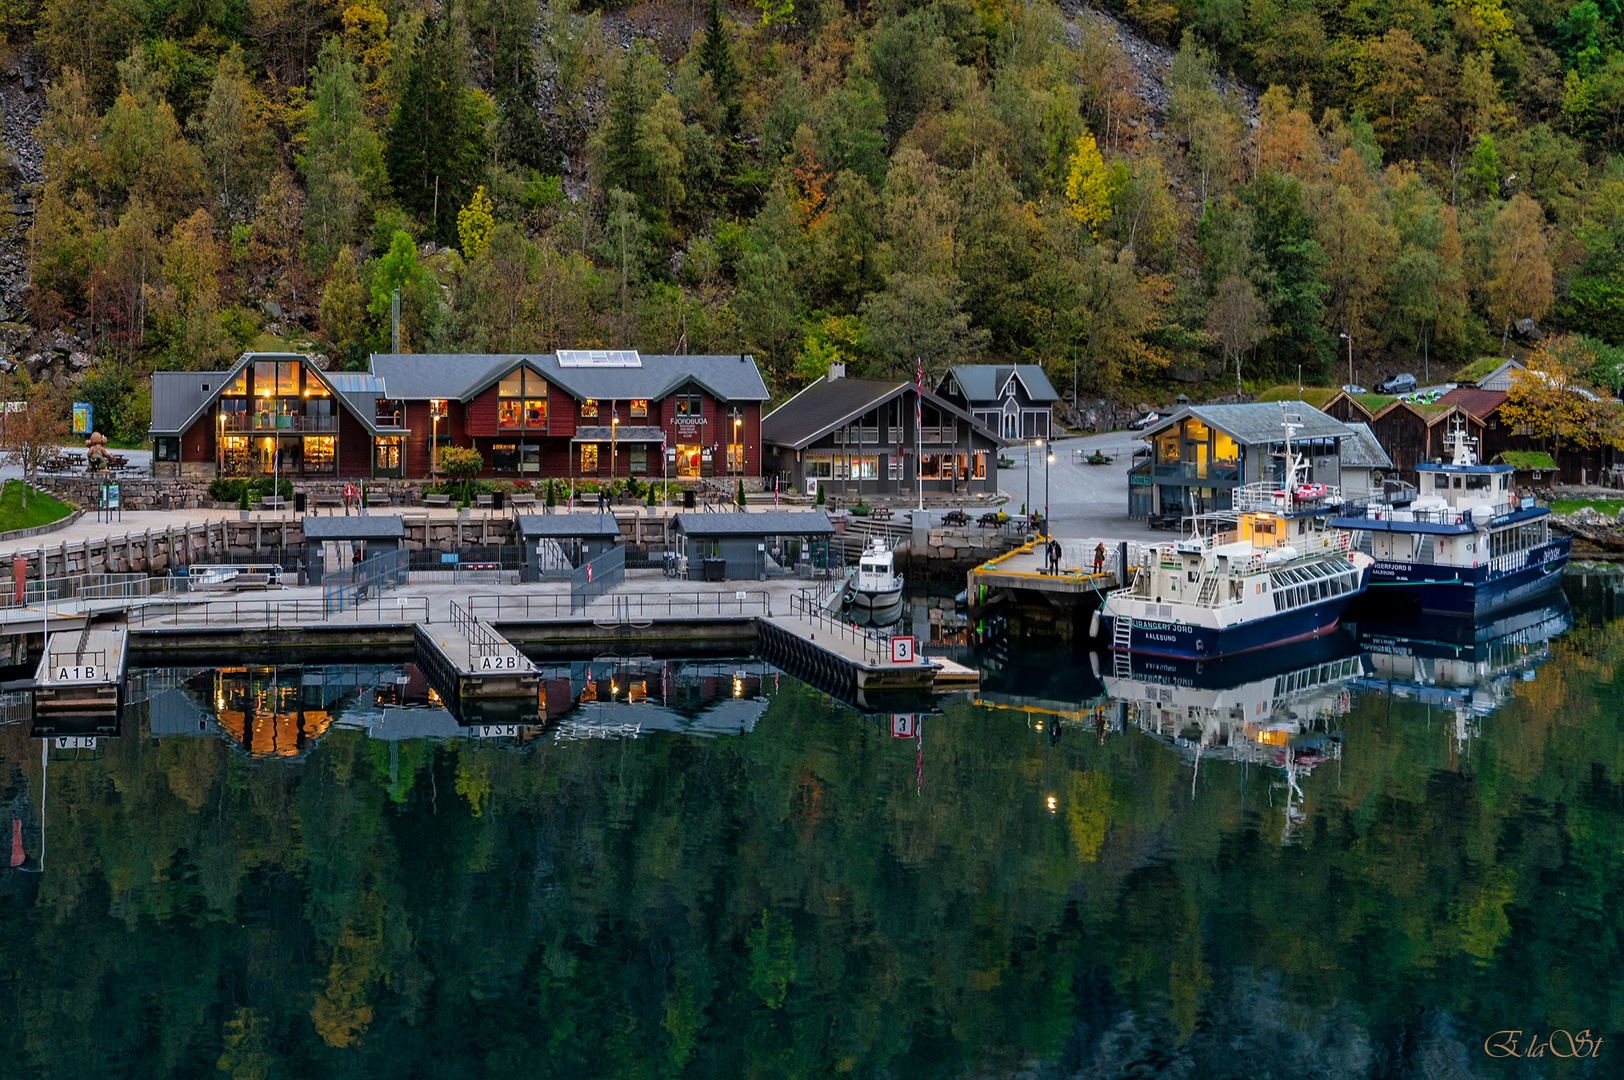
(955,517)
(991,519)
(881,513)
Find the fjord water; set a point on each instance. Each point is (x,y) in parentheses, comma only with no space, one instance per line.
(761,881)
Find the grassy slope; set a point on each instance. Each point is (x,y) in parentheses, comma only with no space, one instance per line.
(41,510)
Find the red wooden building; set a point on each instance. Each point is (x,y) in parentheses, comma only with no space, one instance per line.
(583,414)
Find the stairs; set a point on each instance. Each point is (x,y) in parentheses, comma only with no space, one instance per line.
(1209,590)
(1121,647)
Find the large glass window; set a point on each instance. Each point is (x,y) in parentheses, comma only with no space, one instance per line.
(320,454)
(522,400)
(589,409)
(504,457)
(287,377)
(690,406)
(166,449)
(639,409)
(386,453)
(235,455)
(238,387)
(319,413)
(589,458)
(735,457)
(233,413)
(637,460)
(530,458)
(264,378)
(687,460)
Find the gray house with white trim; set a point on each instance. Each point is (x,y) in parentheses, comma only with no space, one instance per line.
(1015,401)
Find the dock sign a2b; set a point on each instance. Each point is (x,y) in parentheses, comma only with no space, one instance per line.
(902,650)
(510,662)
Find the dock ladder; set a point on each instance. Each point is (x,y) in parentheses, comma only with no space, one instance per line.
(1121,647)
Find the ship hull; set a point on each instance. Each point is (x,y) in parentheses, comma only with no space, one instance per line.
(1184,641)
(1468,590)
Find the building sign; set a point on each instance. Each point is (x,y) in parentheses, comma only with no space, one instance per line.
(1138,479)
(82,416)
(902,650)
(76,742)
(496,731)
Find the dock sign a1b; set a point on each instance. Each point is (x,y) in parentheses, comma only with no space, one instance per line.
(78,673)
(902,650)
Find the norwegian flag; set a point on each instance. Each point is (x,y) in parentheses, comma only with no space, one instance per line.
(919,397)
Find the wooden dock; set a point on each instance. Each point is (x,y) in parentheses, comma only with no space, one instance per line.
(79,685)
(475,669)
(1019,586)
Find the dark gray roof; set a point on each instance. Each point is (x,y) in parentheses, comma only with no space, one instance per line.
(175,712)
(770,523)
(422,723)
(462,375)
(827,404)
(1362,451)
(985,382)
(365,527)
(178,396)
(1258,422)
(568,526)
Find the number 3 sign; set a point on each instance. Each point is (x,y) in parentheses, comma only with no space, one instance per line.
(902,650)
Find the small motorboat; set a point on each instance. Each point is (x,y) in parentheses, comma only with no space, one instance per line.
(877,584)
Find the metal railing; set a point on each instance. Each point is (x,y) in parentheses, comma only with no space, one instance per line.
(95,587)
(1272,496)
(593,579)
(277,422)
(270,614)
(346,588)
(1222,472)
(650,606)
(482,640)
(876,644)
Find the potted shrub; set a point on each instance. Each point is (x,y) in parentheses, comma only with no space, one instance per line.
(552,496)
(820,499)
(242,503)
(860,508)
(739,497)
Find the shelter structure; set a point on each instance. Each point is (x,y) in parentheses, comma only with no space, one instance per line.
(338,543)
(752,547)
(555,544)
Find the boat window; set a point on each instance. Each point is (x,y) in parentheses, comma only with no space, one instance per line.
(1439,480)
(1457,483)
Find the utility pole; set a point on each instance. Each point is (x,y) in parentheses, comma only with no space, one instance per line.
(394,322)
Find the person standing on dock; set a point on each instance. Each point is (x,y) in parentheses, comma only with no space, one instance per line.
(1099,557)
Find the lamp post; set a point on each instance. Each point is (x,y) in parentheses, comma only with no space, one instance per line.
(1039,444)
(614,428)
(1047,461)
(435,405)
(1349,340)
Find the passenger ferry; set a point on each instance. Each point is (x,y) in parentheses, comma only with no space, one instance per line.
(1269,571)
(1464,544)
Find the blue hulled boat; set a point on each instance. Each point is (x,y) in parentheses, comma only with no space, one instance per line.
(1464,544)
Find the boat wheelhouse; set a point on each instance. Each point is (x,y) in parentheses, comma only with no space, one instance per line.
(1268,571)
(1464,543)
(877,584)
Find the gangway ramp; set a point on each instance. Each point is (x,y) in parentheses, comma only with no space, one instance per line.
(469,662)
(81,674)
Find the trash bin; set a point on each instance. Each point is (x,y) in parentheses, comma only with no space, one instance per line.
(688,502)
(715,569)
(299,502)
(498,499)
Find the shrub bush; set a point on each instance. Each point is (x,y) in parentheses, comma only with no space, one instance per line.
(231,489)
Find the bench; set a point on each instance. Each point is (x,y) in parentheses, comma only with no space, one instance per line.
(482,501)
(273,502)
(436,500)
(524,500)
(378,498)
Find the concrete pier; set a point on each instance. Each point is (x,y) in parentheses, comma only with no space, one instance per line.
(1019,586)
(471,663)
(79,685)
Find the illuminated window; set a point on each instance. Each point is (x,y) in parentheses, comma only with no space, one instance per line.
(589,458)
(639,409)
(238,387)
(504,457)
(320,454)
(735,457)
(535,412)
(522,400)
(509,414)
(589,409)
(690,406)
(386,451)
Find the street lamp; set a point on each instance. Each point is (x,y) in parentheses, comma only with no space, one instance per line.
(1039,444)
(1047,461)
(614,427)
(436,406)
(1349,340)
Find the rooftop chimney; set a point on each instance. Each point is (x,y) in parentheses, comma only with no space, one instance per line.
(837,371)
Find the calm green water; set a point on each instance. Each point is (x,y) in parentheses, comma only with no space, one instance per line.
(1372,866)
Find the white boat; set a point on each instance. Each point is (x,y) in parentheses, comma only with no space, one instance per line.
(1269,571)
(877,584)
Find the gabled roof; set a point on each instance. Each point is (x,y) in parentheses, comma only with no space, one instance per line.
(568,526)
(769,523)
(1480,403)
(365,527)
(1259,422)
(825,405)
(1430,412)
(986,382)
(184,397)
(1362,451)
(419,376)
(179,397)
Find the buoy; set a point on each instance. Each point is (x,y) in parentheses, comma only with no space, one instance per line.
(1094,663)
(1094,624)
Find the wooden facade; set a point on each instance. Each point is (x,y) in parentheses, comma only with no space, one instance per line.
(1412,434)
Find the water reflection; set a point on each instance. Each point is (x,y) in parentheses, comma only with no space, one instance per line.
(1233,872)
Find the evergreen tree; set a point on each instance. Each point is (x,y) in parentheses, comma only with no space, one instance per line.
(342,163)
(438,133)
(716,60)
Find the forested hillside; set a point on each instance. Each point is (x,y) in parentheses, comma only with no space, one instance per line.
(952,180)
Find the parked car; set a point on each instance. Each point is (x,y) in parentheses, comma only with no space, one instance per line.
(1397,384)
(1144,422)
(1353,388)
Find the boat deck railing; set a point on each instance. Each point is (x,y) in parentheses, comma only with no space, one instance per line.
(1383,511)
(1272,496)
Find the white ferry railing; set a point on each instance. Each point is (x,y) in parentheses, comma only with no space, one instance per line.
(1270,496)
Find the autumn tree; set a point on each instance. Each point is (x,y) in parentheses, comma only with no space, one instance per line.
(343,303)
(233,136)
(1237,320)
(1554,399)
(342,162)
(32,435)
(1519,279)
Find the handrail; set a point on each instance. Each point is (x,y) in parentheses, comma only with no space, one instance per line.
(271,614)
(528,606)
(482,640)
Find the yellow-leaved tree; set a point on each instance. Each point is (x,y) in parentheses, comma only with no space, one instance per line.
(474,224)
(1088,185)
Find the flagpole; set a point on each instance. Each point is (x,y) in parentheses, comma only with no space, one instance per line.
(919,435)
